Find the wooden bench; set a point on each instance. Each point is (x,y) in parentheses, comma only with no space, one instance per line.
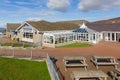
(115,74)
(89,74)
(76,61)
(104,60)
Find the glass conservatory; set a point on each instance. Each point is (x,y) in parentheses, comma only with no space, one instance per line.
(53,39)
(59,38)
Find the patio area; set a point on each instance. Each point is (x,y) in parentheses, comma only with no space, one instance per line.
(103,48)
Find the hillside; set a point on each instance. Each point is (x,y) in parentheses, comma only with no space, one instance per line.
(109,21)
(75,21)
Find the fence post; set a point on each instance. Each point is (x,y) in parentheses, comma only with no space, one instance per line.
(31,54)
(13,52)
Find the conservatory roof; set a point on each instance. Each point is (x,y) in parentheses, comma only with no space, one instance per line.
(58,32)
(84,29)
(80,30)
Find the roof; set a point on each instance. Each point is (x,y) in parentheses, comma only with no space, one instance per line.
(104,27)
(56,26)
(51,26)
(58,32)
(12,26)
(84,29)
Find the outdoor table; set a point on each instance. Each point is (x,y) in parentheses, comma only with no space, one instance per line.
(89,74)
(104,60)
(75,61)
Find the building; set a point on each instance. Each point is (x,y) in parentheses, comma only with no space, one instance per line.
(52,34)
(11,27)
(82,34)
(110,32)
(33,31)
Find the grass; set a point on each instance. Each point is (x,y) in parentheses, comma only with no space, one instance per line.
(16,45)
(76,45)
(15,69)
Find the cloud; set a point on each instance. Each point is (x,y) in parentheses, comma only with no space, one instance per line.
(46,13)
(58,5)
(23,3)
(88,5)
(34,19)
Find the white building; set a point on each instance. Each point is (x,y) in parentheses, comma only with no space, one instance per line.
(83,34)
(53,34)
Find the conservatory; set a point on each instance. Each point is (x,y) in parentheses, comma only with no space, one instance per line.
(59,38)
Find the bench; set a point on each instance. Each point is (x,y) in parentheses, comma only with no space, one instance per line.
(104,60)
(115,74)
(74,61)
(89,74)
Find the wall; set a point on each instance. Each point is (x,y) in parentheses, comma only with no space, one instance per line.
(20,35)
(115,38)
(37,38)
(9,34)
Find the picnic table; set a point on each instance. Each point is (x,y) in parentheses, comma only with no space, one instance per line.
(104,60)
(75,61)
(89,74)
(115,74)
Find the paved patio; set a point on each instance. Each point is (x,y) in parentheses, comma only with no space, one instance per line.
(103,48)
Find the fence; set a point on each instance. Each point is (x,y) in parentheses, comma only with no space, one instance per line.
(61,76)
(52,70)
(30,53)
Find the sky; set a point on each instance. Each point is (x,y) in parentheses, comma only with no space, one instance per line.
(18,11)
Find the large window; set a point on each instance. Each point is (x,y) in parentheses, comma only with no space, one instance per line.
(27,32)
(82,37)
(28,35)
(48,39)
(64,38)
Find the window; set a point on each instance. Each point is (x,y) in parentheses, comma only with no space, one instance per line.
(51,39)
(35,32)
(108,36)
(27,32)
(93,36)
(28,35)
(48,39)
(113,37)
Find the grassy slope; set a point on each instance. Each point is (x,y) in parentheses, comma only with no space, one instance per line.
(14,69)
(76,45)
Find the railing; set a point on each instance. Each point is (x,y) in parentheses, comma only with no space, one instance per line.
(52,70)
(34,54)
(30,53)
(59,72)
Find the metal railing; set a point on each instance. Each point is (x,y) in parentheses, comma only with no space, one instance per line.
(51,68)
(29,53)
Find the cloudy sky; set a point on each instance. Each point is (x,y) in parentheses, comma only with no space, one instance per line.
(17,11)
